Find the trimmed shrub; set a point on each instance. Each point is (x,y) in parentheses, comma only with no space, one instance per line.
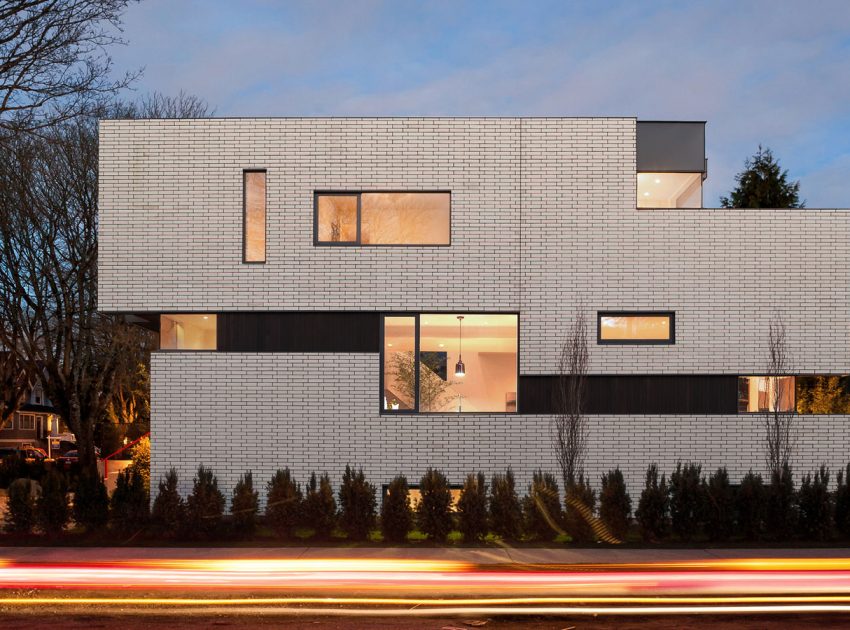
(130,502)
(580,503)
(204,506)
(752,506)
(283,504)
(356,504)
(542,507)
(20,509)
(505,509)
(433,514)
(686,500)
(815,506)
(244,506)
(51,509)
(653,507)
(781,520)
(320,506)
(91,502)
(842,503)
(396,514)
(615,506)
(719,505)
(472,508)
(169,510)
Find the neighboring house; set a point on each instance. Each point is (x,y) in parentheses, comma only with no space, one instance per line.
(308,278)
(33,423)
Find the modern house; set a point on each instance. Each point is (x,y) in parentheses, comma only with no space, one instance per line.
(393,293)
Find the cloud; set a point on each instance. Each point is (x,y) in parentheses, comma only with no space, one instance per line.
(771,72)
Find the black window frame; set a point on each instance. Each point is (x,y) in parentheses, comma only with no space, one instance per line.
(635,342)
(245,260)
(359,194)
(417,315)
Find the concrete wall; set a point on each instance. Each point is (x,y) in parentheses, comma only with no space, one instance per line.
(319,412)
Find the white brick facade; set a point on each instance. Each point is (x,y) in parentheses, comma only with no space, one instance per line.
(543,218)
(319,412)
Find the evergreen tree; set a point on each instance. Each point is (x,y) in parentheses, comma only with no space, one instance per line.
(763,184)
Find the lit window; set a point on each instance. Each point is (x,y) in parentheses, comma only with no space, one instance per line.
(415,495)
(383,218)
(636,328)
(458,363)
(187,332)
(765,393)
(254,200)
(669,190)
(26,422)
(823,394)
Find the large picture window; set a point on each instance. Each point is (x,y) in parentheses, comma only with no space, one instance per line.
(187,332)
(450,363)
(383,218)
(636,328)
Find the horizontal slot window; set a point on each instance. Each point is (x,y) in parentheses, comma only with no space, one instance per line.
(766,394)
(450,363)
(636,328)
(669,190)
(187,332)
(823,394)
(383,218)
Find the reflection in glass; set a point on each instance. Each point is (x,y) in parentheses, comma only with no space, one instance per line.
(765,393)
(187,332)
(337,218)
(405,218)
(399,363)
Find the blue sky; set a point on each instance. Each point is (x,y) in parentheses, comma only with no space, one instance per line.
(772,72)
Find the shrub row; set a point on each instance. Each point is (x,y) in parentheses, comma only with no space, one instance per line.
(686,506)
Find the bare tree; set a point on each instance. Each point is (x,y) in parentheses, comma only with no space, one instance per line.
(15,384)
(53,59)
(570,423)
(48,264)
(779,412)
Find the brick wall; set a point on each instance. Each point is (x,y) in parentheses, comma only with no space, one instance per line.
(543,219)
(319,412)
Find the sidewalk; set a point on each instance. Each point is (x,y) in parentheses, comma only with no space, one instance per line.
(473,555)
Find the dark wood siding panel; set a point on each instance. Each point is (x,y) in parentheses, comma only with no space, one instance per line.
(299,332)
(640,394)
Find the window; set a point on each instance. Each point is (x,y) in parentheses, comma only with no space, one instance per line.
(669,190)
(823,394)
(415,496)
(636,328)
(765,393)
(254,216)
(383,218)
(450,363)
(26,422)
(187,332)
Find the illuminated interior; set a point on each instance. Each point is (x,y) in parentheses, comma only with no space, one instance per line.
(765,393)
(405,218)
(187,332)
(648,328)
(415,496)
(487,348)
(337,218)
(386,218)
(255,216)
(669,190)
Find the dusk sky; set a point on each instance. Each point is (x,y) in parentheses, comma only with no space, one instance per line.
(772,72)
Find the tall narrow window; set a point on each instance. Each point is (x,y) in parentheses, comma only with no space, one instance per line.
(383,218)
(399,370)
(636,328)
(254,202)
(187,332)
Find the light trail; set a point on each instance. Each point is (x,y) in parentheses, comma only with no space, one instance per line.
(340,586)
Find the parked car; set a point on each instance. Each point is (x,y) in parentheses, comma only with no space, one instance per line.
(66,460)
(29,454)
